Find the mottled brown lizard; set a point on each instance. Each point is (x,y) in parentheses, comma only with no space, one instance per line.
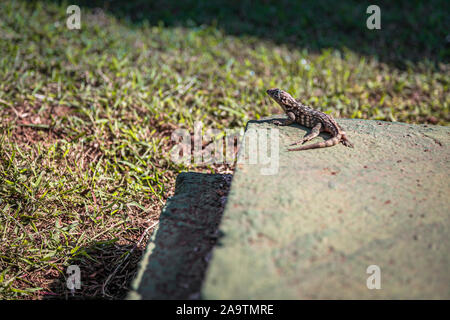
(310,118)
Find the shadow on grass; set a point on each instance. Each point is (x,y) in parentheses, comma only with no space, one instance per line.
(178,254)
(106,272)
(411,30)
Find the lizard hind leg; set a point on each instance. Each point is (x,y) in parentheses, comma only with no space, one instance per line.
(314,133)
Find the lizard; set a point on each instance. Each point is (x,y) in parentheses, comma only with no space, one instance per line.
(310,118)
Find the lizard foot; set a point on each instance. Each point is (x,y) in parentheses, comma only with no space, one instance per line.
(347,143)
(297,142)
(302,141)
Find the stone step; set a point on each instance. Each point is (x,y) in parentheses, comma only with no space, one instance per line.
(311,225)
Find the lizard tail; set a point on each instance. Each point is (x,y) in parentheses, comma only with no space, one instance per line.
(323,144)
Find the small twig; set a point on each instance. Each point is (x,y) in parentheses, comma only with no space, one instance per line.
(103,232)
(9,105)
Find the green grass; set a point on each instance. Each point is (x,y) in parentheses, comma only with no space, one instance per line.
(86,117)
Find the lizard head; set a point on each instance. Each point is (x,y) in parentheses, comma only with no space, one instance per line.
(283,98)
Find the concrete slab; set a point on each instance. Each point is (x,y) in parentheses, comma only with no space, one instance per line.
(311,230)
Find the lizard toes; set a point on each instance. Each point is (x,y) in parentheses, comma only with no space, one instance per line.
(347,143)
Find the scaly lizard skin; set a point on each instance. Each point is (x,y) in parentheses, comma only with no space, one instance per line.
(310,118)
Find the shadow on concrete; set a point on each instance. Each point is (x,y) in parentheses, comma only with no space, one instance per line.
(271,120)
(301,133)
(178,253)
(411,30)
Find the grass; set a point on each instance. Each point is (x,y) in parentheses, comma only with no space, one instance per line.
(86,117)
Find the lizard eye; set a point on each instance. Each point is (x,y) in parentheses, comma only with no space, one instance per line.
(278,93)
(275,93)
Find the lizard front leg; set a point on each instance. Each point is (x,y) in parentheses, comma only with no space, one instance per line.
(345,141)
(314,133)
(290,120)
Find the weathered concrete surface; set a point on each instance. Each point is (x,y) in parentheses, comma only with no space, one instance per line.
(177,255)
(312,229)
